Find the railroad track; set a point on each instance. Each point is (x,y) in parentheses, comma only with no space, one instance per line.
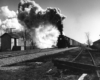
(84,61)
(86,52)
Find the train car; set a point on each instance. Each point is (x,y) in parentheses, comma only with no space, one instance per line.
(73,42)
(96,44)
(65,41)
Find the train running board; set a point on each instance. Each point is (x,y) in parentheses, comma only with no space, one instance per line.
(75,66)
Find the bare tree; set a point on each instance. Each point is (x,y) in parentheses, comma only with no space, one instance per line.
(25,35)
(88,41)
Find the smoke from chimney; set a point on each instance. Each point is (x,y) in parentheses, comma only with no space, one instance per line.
(45,25)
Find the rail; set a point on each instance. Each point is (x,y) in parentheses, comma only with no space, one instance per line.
(93,61)
(79,66)
(94,64)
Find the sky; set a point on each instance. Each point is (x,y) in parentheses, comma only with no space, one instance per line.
(82,16)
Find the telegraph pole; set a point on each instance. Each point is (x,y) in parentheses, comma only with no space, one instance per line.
(25,39)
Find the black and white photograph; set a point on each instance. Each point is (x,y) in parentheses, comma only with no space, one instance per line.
(49,39)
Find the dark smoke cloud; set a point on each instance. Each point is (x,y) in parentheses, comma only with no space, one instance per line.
(33,15)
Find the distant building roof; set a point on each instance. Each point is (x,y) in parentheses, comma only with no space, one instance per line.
(98,41)
(12,35)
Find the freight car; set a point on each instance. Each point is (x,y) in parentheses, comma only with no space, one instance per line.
(74,43)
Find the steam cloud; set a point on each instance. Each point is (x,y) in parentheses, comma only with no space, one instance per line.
(45,26)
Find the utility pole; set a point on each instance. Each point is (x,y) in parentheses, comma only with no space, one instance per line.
(25,39)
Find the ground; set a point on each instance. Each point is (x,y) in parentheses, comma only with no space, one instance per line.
(44,70)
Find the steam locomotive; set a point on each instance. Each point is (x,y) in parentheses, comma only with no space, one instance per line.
(64,41)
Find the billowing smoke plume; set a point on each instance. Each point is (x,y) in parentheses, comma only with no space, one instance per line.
(45,25)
